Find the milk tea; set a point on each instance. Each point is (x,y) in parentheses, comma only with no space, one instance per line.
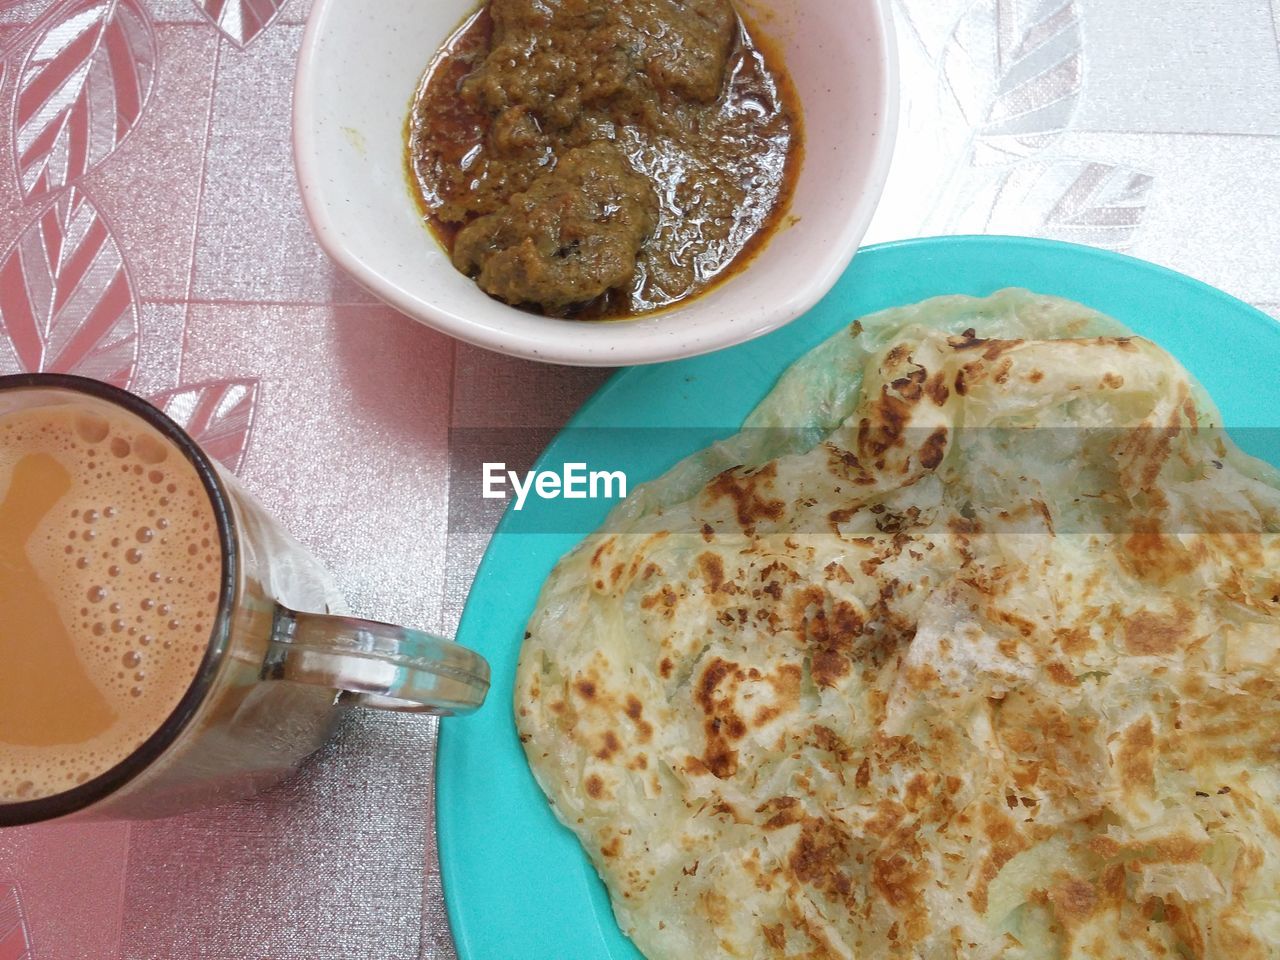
(109,585)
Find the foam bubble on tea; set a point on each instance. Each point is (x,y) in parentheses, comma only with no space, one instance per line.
(109,576)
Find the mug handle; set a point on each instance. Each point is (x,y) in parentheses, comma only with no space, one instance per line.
(375,664)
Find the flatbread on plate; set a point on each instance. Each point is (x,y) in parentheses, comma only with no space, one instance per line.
(965,647)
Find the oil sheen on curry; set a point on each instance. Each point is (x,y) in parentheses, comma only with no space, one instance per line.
(603,158)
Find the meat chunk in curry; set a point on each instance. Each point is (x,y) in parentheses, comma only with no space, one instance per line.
(573,235)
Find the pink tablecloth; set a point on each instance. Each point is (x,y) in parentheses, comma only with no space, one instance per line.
(152,235)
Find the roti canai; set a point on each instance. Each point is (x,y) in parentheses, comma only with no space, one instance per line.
(965,647)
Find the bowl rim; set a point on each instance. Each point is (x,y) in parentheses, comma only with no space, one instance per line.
(646,339)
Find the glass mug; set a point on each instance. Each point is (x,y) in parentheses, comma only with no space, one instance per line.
(279,667)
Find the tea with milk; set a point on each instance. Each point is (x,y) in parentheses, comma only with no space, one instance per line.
(109,586)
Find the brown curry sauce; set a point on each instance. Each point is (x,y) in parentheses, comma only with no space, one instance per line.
(723,171)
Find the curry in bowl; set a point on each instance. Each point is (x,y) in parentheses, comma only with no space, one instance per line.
(598,160)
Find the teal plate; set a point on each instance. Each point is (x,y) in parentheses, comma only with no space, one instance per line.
(517,885)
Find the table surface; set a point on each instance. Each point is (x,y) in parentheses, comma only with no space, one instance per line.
(153,236)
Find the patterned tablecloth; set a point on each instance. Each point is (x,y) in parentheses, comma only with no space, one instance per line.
(151,234)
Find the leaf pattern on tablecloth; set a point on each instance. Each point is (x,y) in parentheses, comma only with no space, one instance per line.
(1013,71)
(218,415)
(15,941)
(240,21)
(926,23)
(67,304)
(1082,201)
(81,91)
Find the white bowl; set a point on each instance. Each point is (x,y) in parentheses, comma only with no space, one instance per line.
(359,67)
